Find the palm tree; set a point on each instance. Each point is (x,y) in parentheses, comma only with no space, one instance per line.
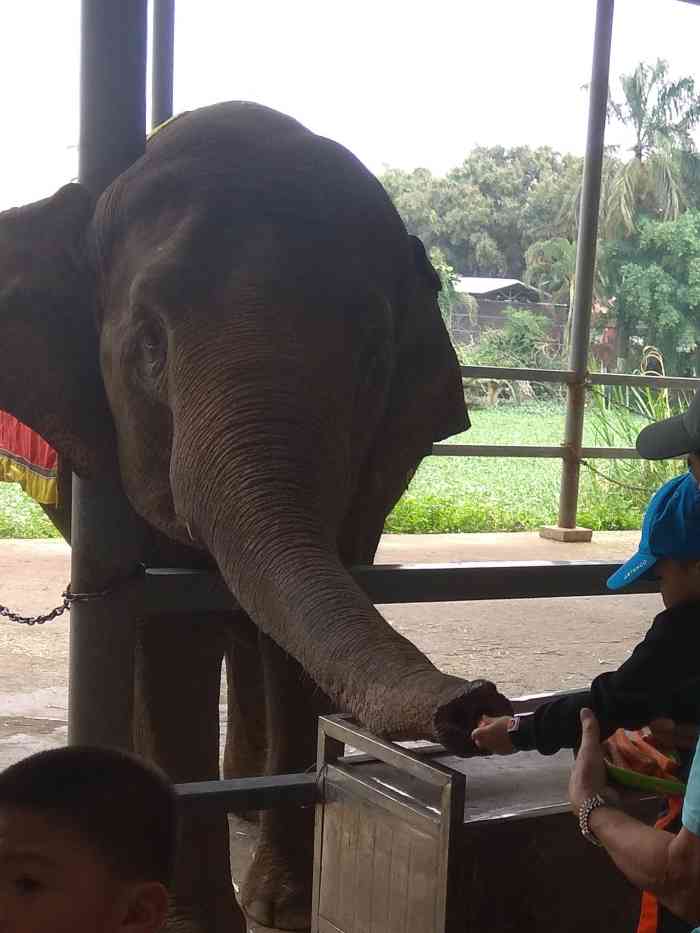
(551,266)
(662,115)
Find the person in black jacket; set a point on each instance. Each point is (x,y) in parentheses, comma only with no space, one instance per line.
(659,684)
(661,679)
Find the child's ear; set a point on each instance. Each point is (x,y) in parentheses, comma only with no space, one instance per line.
(146,908)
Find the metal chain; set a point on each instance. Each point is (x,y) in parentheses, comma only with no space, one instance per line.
(69,597)
(40,619)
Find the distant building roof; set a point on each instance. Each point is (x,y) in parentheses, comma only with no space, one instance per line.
(496,289)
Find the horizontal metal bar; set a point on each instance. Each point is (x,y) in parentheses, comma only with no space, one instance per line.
(345,730)
(629,379)
(609,453)
(518,374)
(531,702)
(567,376)
(253,793)
(531,451)
(523,704)
(497,450)
(168,589)
(427,583)
(420,811)
(200,591)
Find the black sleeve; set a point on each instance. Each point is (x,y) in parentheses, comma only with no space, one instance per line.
(640,690)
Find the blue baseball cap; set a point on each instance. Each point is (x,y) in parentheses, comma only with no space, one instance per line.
(671,528)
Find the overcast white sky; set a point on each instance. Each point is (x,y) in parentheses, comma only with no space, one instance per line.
(404,84)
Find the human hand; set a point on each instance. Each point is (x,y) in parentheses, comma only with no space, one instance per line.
(665,734)
(588,776)
(491,735)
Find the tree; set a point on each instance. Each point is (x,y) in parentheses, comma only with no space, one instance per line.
(414,196)
(662,115)
(447,297)
(551,266)
(485,213)
(657,284)
(523,190)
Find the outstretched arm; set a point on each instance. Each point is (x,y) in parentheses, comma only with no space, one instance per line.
(656,861)
(632,696)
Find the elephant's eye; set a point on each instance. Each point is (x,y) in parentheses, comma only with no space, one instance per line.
(153,348)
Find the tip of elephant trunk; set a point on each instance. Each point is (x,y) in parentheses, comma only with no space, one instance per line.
(455,720)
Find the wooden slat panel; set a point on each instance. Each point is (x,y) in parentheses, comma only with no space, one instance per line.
(365,869)
(423,883)
(331,859)
(347,880)
(398,881)
(381,877)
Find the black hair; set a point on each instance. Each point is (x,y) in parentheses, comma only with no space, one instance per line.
(122,806)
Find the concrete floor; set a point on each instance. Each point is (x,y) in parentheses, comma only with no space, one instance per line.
(525,646)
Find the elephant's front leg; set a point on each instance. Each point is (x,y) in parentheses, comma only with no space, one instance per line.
(277,889)
(176,725)
(246,741)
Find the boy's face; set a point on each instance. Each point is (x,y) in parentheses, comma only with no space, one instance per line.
(694,465)
(680,581)
(52,881)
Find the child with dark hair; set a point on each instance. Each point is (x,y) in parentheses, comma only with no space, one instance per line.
(87,843)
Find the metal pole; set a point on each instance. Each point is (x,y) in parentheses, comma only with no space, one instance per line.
(163,61)
(107,541)
(107,537)
(585,263)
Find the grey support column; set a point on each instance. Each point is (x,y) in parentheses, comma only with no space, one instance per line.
(585,271)
(107,537)
(163,61)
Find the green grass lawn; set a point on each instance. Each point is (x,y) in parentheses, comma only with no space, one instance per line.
(463,494)
(20,516)
(452,494)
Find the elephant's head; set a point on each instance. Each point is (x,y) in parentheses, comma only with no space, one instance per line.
(276,366)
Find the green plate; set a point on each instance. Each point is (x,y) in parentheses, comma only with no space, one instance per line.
(646,782)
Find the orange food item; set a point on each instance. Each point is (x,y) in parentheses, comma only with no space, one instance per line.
(631,750)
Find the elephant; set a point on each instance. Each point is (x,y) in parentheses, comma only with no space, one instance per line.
(242,330)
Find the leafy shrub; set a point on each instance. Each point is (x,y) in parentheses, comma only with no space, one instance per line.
(616,416)
(20,517)
(524,341)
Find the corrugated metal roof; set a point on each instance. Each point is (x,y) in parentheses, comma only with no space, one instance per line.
(482,285)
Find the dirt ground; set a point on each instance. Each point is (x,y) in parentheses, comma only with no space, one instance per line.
(525,646)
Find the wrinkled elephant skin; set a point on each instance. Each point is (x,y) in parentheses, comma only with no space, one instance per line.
(243,324)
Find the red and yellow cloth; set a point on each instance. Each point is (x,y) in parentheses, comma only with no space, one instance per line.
(27,459)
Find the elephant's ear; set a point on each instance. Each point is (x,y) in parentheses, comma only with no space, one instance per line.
(425,405)
(50,376)
(427,400)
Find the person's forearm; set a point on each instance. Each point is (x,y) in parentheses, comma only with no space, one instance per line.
(646,857)
(640,852)
(652,859)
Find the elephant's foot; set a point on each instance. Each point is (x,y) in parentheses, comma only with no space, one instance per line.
(273,896)
(276,891)
(216,912)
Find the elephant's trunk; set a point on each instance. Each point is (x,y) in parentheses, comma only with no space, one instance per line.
(265,492)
